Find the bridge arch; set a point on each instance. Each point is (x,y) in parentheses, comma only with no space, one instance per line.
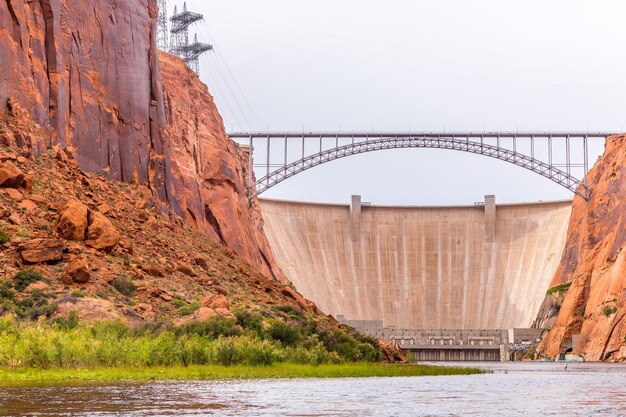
(545,169)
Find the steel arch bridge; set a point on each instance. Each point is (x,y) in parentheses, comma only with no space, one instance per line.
(560,157)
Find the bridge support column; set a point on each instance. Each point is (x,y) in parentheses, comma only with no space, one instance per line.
(490,218)
(355,217)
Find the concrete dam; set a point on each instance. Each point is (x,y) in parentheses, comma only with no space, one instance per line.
(484,266)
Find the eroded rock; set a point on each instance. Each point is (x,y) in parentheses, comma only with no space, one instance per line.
(73,221)
(216,301)
(101,234)
(10,176)
(78,270)
(89,310)
(42,250)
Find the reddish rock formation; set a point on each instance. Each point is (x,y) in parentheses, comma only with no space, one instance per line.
(208,170)
(78,270)
(101,234)
(73,223)
(86,76)
(594,261)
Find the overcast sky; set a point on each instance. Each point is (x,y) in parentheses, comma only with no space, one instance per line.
(454,65)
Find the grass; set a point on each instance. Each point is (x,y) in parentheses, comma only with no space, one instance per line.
(12,378)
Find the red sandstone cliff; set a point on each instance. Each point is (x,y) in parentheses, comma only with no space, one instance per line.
(86,76)
(594,262)
(208,171)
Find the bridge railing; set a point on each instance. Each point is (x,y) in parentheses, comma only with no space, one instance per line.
(563,157)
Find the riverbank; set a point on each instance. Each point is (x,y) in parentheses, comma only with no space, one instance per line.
(31,376)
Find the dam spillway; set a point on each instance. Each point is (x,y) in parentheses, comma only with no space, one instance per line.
(485,266)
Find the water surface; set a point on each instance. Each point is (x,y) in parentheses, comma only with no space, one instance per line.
(514,389)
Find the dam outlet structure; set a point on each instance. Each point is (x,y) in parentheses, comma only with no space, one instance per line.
(402,272)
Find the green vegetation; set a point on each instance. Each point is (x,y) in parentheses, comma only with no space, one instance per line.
(559,288)
(30,377)
(36,304)
(24,278)
(216,341)
(184,308)
(281,343)
(4,238)
(125,286)
(608,310)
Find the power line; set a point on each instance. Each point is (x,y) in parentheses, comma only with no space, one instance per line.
(222,61)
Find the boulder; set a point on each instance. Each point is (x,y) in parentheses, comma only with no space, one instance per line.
(42,250)
(204,313)
(72,224)
(39,285)
(391,352)
(185,269)
(152,270)
(10,176)
(89,310)
(216,301)
(219,290)
(200,261)
(291,293)
(15,219)
(28,182)
(13,194)
(101,234)
(28,206)
(78,270)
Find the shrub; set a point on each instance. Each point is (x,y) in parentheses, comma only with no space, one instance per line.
(285,333)
(24,278)
(67,323)
(78,294)
(189,309)
(351,347)
(4,238)
(250,321)
(212,328)
(32,307)
(289,310)
(559,288)
(610,310)
(227,352)
(125,286)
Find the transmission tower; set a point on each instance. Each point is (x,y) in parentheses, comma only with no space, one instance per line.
(180,45)
(162,29)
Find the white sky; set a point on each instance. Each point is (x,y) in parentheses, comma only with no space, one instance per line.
(451,65)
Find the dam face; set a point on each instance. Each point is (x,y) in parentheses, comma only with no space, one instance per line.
(470,267)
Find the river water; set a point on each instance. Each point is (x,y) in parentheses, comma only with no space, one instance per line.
(513,389)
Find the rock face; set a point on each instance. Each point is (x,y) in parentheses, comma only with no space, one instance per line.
(86,76)
(594,261)
(208,170)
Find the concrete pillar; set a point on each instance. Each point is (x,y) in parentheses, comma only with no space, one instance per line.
(355,217)
(490,218)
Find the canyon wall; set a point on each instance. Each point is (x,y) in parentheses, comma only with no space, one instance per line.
(86,76)
(421,267)
(591,317)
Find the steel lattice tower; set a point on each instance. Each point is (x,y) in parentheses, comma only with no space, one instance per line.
(162,27)
(180,45)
